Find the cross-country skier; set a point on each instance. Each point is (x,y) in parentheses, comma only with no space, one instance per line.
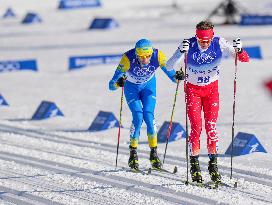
(136,72)
(204,54)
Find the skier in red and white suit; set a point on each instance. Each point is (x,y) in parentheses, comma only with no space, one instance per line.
(204,54)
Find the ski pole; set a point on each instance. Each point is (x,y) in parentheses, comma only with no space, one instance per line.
(186,118)
(233,111)
(120,124)
(171,120)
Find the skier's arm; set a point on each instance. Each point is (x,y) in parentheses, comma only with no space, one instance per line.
(162,61)
(120,71)
(175,61)
(227,47)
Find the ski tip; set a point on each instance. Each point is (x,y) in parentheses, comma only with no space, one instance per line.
(175,170)
(186,183)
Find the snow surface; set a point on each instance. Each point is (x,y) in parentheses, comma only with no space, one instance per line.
(57,161)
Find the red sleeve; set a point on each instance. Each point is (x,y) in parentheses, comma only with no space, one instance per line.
(243,56)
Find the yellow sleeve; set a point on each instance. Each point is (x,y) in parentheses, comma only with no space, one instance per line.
(161,58)
(124,64)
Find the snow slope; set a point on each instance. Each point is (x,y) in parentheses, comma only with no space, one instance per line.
(57,161)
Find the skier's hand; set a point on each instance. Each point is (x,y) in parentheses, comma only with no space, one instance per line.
(112,85)
(184,46)
(121,81)
(180,75)
(237,44)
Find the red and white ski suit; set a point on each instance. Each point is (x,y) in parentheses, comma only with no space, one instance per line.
(201,88)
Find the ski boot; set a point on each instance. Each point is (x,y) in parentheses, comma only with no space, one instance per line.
(213,169)
(195,169)
(154,159)
(133,159)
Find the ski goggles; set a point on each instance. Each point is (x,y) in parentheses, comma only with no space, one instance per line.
(144,52)
(144,57)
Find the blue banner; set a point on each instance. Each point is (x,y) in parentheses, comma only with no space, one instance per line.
(72,4)
(46,110)
(9,13)
(245,143)
(247,20)
(104,23)
(18,65)
(77,62)
(103,121)
(31,18)
(3,101)
(177,132)
(253,52)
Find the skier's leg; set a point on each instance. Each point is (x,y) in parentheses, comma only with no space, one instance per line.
(151,128)
(148,96)
(194,108)
(211,108)
(148,114)
(135,106)
(135,128)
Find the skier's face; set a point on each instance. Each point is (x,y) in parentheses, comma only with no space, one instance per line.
(144,59)
(204,44)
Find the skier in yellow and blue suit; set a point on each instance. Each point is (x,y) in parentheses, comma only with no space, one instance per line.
(136,72)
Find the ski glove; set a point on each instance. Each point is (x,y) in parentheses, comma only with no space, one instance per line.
(112,85)
(237,44)
(184,46)
(121,81)
(180,75)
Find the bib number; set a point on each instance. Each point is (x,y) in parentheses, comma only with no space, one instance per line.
(203,79)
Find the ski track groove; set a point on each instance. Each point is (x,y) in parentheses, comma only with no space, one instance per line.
(47,186)
(110,148)
(116,181)
(254,196)
(23,198)
(2,202)
(107,147)
(154,173)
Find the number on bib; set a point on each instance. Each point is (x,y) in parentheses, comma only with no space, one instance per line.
(203,79)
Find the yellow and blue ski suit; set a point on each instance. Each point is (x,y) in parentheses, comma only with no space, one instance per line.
(140,91)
